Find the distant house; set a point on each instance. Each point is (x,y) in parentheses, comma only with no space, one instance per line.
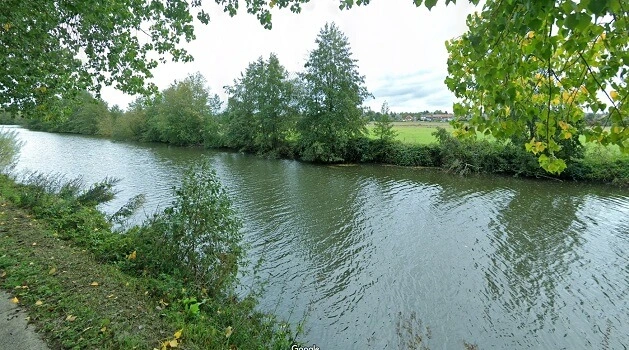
(445,117)
(408,118)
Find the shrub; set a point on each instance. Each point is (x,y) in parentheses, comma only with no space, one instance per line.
(197,238)
(9,150)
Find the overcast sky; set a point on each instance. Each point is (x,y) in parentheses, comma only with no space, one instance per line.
(399,47)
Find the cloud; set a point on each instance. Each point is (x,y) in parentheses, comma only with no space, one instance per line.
(390,39)
(417,91)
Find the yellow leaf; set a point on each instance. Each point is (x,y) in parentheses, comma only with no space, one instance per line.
(39,303)
(102,330)
(15,300)
(52,271)
(6,27)
(71,318)
(614,95)
(567,135)
(555,100)
(173,343)
(530,35)
(563,125)
(178,333)
(228,331)
(34,244)
(95,284)
(132,255)
(3,273)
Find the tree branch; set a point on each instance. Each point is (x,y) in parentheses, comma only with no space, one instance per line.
(602,89)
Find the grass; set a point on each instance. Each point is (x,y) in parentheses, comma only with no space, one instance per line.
(78,301)
(56,282)
(418,133)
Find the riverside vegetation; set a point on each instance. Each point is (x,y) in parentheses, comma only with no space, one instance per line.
(88,283)
(525,72)
(316,116)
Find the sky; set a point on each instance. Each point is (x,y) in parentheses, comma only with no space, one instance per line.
(400,49)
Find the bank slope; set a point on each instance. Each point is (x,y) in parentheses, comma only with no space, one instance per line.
(76,300)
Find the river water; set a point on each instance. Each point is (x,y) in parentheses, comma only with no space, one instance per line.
(385,257)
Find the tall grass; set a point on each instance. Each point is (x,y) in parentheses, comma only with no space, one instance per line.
(10,147)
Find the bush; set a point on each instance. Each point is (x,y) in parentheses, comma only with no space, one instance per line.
(614,171)
(198,238)
(9,150)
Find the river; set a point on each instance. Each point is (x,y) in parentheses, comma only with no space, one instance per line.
(385,257)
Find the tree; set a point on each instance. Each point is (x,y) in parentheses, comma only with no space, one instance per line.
(261,107)
(56,48)
(334,93)
(106,125)
(41,42)
(242,106)
(83,113)
(383,127)
(528,71)
(581,45)
(182,111)
(277,106)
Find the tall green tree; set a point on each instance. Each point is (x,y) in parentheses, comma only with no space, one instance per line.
(277,106)
(242,107)
(182,111)
(334,94)
(261,107)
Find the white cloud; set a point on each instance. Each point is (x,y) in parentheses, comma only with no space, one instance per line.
(399,47)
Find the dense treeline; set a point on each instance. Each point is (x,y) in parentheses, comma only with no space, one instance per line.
(315,115)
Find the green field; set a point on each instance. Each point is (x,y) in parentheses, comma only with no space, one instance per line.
(414,132)
(421,133)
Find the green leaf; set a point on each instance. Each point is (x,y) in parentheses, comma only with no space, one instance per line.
(430,3)
(598,7)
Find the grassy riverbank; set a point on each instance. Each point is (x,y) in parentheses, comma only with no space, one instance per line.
(419,144)
(85,286)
